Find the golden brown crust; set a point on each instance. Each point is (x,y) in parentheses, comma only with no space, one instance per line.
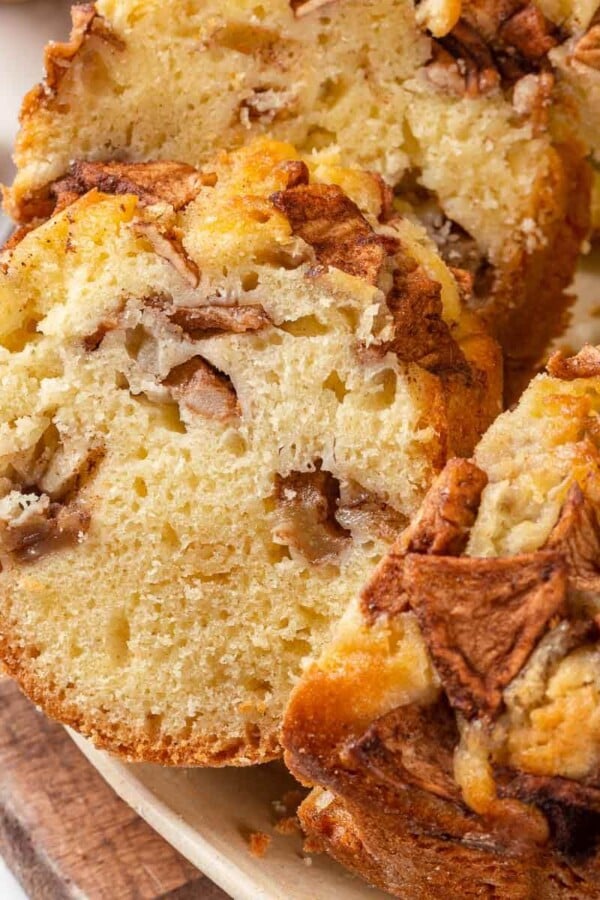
(521,292)
(17,236)
(470,375)
(481,619)
(479,391)
(59,55)
(34,206)
(120,739)
(585,364)
(364,764)
(528,306)
(407,863)
(572,808)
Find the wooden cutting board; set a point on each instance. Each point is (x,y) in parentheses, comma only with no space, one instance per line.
(64,832)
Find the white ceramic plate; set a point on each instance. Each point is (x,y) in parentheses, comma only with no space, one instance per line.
(208,814)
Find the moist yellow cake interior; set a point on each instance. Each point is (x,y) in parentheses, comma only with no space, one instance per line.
(174,624)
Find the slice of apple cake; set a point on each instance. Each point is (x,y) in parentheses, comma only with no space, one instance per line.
(222,394)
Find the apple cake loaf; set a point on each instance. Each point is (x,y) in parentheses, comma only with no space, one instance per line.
(452,725)
(455,105)
(222,394)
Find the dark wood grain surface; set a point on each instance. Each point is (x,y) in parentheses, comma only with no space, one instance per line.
(63,830)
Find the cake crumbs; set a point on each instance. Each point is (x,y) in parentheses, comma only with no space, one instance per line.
(288,825)
(258,843)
